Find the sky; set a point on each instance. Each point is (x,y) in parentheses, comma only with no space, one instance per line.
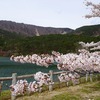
(47,13)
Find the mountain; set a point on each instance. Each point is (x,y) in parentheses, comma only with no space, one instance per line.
(12,29)
(31,30)
(92,30)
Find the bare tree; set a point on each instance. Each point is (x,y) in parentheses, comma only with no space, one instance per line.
(95,9)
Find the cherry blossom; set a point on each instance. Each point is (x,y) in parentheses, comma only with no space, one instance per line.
(95,9)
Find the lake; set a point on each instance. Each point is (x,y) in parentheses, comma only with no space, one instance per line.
(8,67)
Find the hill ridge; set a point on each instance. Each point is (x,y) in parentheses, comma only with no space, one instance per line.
(31,30)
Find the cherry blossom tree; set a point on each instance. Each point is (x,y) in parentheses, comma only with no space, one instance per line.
(95,9)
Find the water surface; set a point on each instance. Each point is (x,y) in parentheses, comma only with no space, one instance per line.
(8,67)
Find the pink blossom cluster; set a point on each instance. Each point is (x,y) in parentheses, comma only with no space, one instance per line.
(40,60)
(95,48)
(19,88)
(33,87)
(85,61)
(42,78)
(66,77)
(88,45)
(22,86)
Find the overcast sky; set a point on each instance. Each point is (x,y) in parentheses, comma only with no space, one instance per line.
(47,13)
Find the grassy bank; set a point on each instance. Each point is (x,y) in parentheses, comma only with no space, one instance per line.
(5,95)
(87,91)
(84,91)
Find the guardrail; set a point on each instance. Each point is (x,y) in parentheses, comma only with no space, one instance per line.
(14,79)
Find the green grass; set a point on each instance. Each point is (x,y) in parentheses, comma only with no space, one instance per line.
(5,95)
(66,96)
(87,91)
(97,98)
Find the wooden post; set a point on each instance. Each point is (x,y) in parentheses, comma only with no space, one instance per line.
(87,74)
(1,83)
(14,79)
(73,82)
(59,84)
(0,89)
(40,89)
(67,83)
(91,74)
(96,77)
(51,77)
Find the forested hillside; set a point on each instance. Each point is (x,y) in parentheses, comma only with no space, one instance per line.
(44,44)
(93,30)
(14,43)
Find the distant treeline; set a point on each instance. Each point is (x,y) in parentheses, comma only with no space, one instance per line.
(42,44)
(14,43)
(93,30)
